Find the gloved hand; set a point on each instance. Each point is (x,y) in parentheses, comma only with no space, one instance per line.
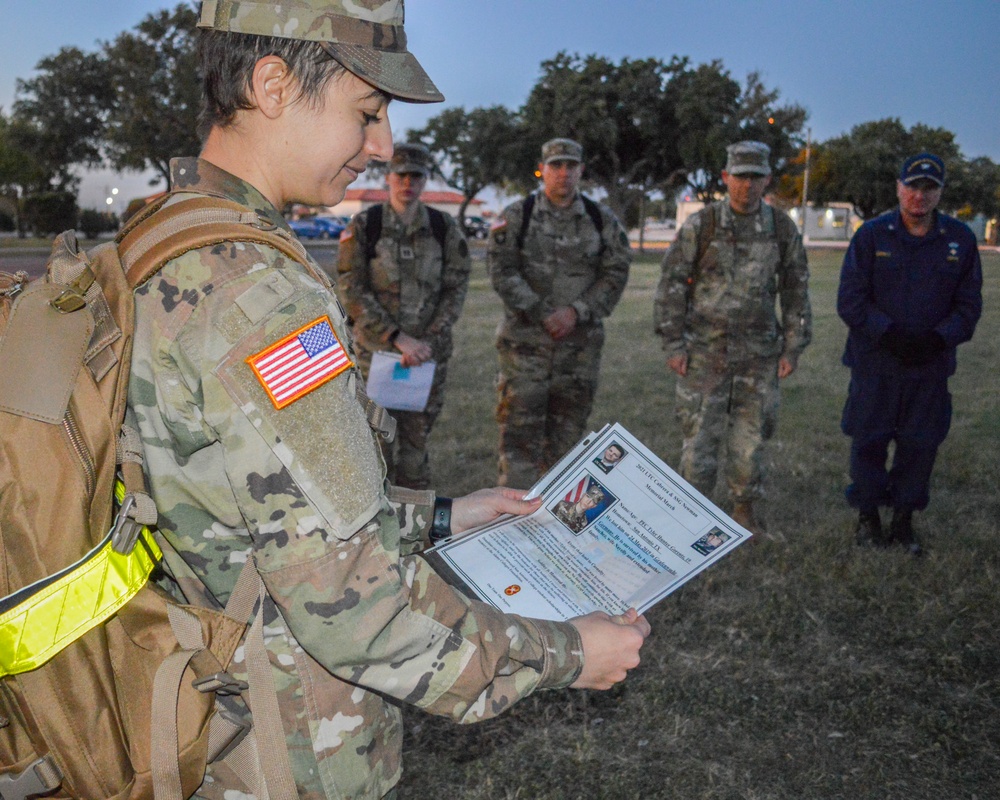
(913,349)
(925,347)
(897,343)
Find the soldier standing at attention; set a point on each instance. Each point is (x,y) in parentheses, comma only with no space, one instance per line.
(404,272)
(715,312)
(559,262)
(257,441)
(910,293)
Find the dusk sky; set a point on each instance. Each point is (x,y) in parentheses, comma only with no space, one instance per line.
(845,62)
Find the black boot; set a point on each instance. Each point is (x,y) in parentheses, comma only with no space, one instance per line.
(901,531)
(868,531)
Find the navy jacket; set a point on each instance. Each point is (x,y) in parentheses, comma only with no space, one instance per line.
(928,283)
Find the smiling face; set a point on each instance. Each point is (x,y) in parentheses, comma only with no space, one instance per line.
(613,454)
(327,145)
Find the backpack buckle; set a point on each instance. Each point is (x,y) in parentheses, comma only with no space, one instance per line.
(264,224)
(220,683)
(39,777)
(68,302)
(126,530)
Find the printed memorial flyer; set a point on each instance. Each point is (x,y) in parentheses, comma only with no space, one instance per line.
(617,528)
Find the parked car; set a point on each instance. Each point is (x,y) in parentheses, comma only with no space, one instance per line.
(307,228)
(477,227)
(316,227)
(331,225)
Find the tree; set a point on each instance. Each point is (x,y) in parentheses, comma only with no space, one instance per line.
(861,167)
(618,112)
(62,111)
(713,111)
(982,187)
(157,92)
(20,172)
(705,102)
(473,149)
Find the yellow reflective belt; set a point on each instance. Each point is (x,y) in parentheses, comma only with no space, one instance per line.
(59,610)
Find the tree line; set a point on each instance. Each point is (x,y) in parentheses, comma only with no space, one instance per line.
(648,127)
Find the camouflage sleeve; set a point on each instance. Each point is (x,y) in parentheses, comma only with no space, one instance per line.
(414,509)
(505,263)
(600,298)
(670,306)
(355,287)
(454,285)
(793,294)
(326,540)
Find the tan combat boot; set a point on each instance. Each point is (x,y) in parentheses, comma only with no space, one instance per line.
(743,515)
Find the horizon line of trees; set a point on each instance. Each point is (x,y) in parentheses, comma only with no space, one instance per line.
(648,128)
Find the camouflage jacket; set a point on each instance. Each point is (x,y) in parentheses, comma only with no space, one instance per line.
(356,622)
(564,262)
(409,285)
(718,287)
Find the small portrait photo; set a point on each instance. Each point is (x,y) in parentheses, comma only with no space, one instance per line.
(710,541)
(583,503)
(613,453)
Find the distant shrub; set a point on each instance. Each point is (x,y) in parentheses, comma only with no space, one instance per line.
(50,212)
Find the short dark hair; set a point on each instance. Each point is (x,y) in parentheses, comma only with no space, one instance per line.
(227,64)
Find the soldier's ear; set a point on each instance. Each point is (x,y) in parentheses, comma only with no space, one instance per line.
(273,86)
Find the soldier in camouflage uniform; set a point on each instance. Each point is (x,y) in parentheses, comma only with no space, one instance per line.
(559,272)
(574,515)
(405,295)
(355,622)
(715,312)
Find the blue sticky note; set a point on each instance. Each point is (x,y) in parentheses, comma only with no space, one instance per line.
(400,373)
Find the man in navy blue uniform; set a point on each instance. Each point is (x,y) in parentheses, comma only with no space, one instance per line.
(910,292)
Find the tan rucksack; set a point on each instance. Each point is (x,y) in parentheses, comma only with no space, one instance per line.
(107,685)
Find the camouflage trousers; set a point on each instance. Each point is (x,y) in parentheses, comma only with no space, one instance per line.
(406,460)
(737,406)
(546,392)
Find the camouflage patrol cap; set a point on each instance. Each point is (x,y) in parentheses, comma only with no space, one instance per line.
(748,158)
(410,157)
(561,150)
(366,36)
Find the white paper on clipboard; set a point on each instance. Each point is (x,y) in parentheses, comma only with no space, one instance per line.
(396,387)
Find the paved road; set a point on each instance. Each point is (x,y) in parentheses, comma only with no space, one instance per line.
(32,260)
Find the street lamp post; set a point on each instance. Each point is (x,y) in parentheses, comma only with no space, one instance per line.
(805,180)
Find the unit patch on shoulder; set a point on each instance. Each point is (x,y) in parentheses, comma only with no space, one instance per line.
(302,361)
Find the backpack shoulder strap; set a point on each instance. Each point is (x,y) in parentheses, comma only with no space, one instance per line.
(705,233)
(594,212)
(373,230)
(439,229)
(167,231)
(526,209)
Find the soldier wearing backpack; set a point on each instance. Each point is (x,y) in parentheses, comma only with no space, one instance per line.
(404,271)
(559,262)
(260,444)
(715,314)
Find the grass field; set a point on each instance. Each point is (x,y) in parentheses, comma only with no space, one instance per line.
(802,667)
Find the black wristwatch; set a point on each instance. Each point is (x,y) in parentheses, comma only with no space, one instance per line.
(441,525)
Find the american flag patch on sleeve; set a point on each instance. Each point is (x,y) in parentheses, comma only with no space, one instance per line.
(302,361)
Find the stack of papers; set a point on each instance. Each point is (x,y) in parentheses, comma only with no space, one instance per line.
(617,529)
